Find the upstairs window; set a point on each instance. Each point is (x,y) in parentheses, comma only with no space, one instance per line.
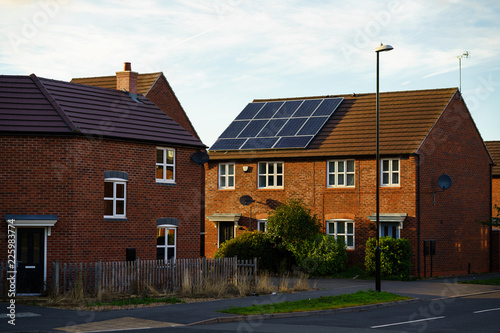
(270,175)
(115,199)
(390,172)
(165,165)
(226,176)
(341,173)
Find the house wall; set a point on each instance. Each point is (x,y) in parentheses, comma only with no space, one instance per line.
(162,95)
(495,198)
(307,180)
(65,176)
(454,147)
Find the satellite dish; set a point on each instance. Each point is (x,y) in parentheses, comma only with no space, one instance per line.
(444,182)
(246,200)
(200,157)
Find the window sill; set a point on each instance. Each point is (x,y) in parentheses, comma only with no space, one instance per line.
(119,219)
(164,182)
(270,189)
(226,189)
(341,187)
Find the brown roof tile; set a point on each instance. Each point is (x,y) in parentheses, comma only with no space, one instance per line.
(494,148)
(405,119)
(144,81)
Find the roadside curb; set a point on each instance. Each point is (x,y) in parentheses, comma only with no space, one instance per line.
(232,319)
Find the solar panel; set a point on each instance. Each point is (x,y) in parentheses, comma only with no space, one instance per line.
(227,144)
(268,110)
(277,124)
(250,111)
(234,129)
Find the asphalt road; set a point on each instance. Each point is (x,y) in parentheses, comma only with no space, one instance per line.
(478,313)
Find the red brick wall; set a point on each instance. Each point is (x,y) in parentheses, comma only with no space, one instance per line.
(306,179)
(65,176)
(164,97)
(455,148)
(495,194)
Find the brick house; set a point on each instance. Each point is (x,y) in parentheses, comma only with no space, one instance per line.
(322,150)
(87,173)
(494,148)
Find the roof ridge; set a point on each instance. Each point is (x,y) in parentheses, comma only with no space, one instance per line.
(54,103)
(350,95)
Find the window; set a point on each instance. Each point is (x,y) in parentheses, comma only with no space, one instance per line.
(226,176)
(389,229)
(262,225)
(166,243)
(165,165)
(341,173)
(115,198)
(343,230)
(271,175)
(390,172)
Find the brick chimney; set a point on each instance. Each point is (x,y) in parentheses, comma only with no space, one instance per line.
(127,79)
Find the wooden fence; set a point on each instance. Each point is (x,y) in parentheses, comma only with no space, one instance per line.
(139,275)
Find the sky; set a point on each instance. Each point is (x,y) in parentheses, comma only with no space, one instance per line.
(219,55)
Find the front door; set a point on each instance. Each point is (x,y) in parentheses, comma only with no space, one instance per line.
(226,231)
(30,260)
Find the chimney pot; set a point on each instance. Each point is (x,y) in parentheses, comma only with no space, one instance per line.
(127,66)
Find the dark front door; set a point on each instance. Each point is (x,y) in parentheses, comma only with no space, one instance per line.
(226,231)
(30,260)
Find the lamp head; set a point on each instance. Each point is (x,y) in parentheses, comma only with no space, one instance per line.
(383,48)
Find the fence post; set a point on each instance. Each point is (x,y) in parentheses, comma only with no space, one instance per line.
(137,275)
(204,269)
(55,276)
(98,277)
(172,273)
(235,267)
(255,270)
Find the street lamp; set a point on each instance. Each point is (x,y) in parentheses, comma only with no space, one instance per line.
(378,49)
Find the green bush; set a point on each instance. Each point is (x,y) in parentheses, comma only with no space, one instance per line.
(256,244)
(321,255)
(291,223)
(395,258)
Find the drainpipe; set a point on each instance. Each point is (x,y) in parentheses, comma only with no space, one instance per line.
(417,165)
(491,218)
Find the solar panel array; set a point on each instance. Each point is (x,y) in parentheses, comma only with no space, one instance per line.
(277,124)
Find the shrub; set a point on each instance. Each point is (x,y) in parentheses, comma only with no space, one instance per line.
(291,223)
(321,255)
(255,244)
(395,258)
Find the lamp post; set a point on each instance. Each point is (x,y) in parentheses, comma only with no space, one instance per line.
(378,49)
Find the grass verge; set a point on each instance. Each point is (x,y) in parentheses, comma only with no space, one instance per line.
(362,297)
(137,301)
(492,282)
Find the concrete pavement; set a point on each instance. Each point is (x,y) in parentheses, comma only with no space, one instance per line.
(39,319)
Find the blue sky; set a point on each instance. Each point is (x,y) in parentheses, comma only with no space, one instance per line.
(219,55)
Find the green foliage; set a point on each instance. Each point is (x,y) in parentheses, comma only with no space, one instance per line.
(494,221)
(255,244)
(321,255)
(291,223)
(395,258)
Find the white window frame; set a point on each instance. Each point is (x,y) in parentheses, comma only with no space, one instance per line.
(275,175)
(114,199)
(345,234)
(166,246)
(336,173)
(390,172)
(225,176)
(260,223)
(165,164)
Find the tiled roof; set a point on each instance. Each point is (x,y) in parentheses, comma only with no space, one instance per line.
(29,104)
(144,81)
(494,148)
(406,117)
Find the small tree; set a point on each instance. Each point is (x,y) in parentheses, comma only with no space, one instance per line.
(291,223)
